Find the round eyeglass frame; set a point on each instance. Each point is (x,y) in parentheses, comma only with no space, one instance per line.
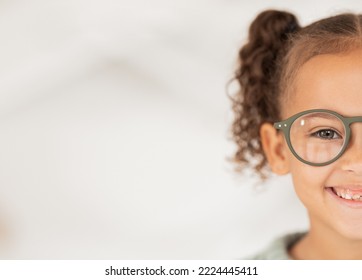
(286,124)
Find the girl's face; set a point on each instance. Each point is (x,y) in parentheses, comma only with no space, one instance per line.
(331,82)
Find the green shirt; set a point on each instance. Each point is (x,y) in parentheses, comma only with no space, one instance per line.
(278,249)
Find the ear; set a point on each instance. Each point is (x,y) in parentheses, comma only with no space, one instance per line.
(275,149)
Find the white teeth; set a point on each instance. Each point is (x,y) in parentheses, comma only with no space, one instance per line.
(347,195)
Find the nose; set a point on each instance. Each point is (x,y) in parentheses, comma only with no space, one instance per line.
(351,160)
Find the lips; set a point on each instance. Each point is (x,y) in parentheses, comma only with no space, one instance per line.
(348,195)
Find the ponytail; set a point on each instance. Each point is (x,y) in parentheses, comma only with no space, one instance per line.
(258,78)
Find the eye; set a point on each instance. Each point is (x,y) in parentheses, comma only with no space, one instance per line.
(327,134)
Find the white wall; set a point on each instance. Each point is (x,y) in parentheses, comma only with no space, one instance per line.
(113,131)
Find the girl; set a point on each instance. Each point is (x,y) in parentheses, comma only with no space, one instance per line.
(299,111)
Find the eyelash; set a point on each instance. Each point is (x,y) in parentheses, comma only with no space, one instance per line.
(315,134)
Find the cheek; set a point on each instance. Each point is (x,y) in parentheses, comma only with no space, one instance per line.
(309,182)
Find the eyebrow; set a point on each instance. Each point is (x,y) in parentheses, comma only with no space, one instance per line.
(322,115)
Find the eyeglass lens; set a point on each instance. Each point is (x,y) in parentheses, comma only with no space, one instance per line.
(317,137)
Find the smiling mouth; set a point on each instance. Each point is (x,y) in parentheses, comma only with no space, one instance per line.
(347,194)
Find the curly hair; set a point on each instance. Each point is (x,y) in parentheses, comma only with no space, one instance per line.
(277,46)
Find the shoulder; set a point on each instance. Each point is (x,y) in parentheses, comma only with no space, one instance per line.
(278,248)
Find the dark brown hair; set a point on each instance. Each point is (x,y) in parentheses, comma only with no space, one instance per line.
(276,48)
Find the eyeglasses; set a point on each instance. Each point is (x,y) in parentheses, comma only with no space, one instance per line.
(317,137)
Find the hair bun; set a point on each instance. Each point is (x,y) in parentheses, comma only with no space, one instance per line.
(267,39)
(272,26)
(255,74)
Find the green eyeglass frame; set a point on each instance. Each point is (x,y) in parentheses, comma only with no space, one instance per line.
(285,126)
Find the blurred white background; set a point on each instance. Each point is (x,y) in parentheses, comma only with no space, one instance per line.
(113,131)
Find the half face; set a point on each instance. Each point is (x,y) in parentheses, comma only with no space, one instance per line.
(331,193)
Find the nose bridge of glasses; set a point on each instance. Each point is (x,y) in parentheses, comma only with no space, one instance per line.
(356,131)
(352,120)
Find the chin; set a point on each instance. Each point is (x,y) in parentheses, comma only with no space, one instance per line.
(351,232)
